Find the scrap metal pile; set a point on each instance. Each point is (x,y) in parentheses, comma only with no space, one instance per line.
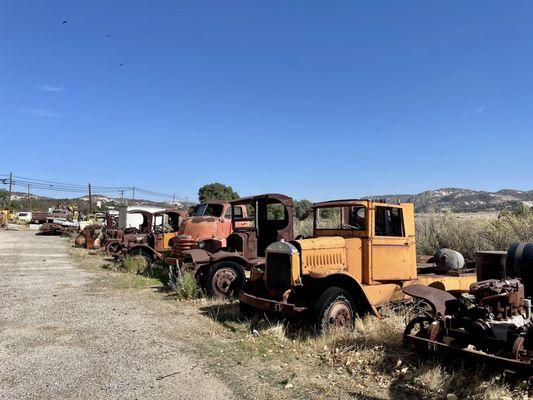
(60,227)
(491,322)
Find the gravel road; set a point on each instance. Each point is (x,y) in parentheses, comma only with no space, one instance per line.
(61,339)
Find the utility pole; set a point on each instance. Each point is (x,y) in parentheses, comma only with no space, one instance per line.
(10,191)
(29,198)
(90,200)
(174,199)
(133,195)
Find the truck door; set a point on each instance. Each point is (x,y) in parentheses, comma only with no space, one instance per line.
(225,222)
(393,252)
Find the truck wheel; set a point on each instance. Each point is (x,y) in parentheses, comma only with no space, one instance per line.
(112,248)
(144,260)
(224,279)
(334,309)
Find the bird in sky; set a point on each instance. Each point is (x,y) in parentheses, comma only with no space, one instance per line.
(65,21)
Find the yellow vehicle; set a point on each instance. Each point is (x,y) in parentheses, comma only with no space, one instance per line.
(9,215)
(361,255)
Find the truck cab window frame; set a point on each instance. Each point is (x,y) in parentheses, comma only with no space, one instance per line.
(389,222)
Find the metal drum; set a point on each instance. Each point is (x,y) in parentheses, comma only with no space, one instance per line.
(490,265)
(447,259)
(520,264)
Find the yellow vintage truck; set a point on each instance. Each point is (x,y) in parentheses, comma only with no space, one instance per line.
(361,255)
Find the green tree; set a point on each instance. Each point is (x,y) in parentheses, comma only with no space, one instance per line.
(302,208)
(216,191)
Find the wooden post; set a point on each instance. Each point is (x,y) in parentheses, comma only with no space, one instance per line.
(90,200)
(10,191)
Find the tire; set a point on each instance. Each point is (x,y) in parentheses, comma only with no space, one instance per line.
(224,279)
(334,309)
(145,259)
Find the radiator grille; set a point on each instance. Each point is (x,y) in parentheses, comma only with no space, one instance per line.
(278,271)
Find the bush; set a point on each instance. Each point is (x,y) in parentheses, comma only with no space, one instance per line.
(187,287)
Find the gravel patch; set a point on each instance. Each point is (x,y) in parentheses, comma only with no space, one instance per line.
(59,340)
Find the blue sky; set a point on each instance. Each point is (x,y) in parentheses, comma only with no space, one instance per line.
(314,99)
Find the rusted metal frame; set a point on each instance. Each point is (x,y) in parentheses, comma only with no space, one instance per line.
(431,346)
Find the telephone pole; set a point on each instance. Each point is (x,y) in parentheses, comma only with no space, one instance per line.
(10,191)
(90,200)
(29,198)
(174,199)
(133,195)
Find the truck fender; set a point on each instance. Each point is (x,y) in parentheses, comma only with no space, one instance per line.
(355,289)
(146,248)
(229,256)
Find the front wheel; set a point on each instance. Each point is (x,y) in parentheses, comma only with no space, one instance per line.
(225,279)
(334,309)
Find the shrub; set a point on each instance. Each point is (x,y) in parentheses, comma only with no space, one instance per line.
(187,287)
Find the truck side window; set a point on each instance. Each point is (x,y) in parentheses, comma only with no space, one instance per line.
(389,221)
(237,212)
(227,215)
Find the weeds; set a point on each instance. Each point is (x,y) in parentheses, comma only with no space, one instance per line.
(131,264)
(468,236)
(187,288)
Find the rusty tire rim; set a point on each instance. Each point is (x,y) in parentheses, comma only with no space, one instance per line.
(223,281)
(340,315)
(518,346)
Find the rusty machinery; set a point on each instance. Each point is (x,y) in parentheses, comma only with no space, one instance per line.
(361,254)
(166,225)
(492,322)
(256,222)
(115,240)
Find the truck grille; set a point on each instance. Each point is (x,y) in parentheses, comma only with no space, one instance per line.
(278,271)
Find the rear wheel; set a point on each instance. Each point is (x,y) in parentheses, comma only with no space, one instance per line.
(225,279)
(142,261)
(334,310)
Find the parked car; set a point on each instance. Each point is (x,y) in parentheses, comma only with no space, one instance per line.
(23,216)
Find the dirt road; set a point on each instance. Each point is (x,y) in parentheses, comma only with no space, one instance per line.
(62,338)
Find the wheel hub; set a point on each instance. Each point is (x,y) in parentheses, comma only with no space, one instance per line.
(224,279)
(340,315)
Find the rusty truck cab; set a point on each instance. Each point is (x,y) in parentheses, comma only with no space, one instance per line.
(257,221)
(269,219)
(166,226)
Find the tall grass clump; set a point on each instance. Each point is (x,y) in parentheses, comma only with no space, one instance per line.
(187,287)
(131,264)
(467,236)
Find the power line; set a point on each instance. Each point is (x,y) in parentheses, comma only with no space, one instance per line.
(63,187)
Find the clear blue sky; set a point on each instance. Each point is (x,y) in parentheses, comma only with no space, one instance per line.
(313,99)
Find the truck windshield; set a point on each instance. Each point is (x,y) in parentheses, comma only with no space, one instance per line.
(208,210)
(348,218)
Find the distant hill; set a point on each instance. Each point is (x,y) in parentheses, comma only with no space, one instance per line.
(462,200)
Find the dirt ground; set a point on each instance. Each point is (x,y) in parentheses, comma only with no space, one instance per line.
(60,337)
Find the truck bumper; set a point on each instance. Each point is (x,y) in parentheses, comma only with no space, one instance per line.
(271,305)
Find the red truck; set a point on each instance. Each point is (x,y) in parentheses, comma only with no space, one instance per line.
(208,229)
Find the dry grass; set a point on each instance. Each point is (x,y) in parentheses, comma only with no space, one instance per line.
(468,236)
(187,287)
(130,264)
